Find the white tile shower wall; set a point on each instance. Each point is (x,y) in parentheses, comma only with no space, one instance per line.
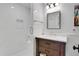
(13,34)
(38,18)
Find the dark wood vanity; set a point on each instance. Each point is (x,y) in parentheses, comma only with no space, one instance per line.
(49,47)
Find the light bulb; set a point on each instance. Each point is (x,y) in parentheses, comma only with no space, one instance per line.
(57,4)
(51,6)
(47,7)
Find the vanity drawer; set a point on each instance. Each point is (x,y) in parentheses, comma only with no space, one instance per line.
(49,44)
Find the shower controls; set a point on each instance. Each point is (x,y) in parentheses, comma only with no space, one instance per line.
(74,47)
(31,30)
(19,20)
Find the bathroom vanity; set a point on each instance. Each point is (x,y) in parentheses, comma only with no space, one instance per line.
(50,46)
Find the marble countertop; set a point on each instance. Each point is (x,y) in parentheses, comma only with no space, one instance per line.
(53,37)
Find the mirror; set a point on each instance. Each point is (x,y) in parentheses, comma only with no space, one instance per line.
(53,20)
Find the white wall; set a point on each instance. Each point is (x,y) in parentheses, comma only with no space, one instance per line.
(13,32)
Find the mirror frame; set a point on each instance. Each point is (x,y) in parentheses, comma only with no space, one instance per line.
(59,20)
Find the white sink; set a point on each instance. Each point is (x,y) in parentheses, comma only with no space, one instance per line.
(53,37)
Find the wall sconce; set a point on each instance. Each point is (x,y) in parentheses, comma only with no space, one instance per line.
(51,5)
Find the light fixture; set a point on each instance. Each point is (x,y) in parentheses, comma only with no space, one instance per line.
(51,5)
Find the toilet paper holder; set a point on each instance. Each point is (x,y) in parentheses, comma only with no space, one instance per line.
(74,48)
